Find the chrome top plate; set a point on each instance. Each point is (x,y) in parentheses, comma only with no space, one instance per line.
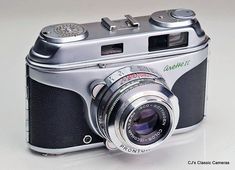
(70,45)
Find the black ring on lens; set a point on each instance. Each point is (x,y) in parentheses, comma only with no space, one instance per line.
(148,123)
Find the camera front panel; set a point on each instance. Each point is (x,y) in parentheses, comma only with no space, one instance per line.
(57,118)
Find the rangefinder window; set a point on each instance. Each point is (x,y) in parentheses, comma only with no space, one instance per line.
(112,49)
(167,41)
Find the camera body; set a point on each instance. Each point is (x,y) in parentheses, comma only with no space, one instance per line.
(128,84)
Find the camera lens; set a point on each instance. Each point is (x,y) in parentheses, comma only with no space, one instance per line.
(149,123)
(135,110)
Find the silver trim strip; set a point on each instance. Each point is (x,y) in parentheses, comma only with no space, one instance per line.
(65,150)
(187,129)
(78,65)
(207,85)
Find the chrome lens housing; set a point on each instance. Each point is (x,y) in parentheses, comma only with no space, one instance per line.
(135,110)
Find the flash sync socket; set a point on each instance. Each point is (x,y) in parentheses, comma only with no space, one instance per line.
(112,49)
(167,41)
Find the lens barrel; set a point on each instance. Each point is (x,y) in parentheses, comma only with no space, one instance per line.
(135,110)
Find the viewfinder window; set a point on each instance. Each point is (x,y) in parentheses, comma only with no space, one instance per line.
(112,49)
(168,41)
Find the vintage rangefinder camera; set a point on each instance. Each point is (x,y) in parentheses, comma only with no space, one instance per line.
(127,84)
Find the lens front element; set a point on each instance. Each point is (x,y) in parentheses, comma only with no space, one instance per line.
(149,123)
(143,123)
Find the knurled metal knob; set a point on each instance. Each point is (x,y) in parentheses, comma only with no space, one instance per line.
(63,33)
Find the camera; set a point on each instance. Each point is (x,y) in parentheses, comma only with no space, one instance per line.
(128,84)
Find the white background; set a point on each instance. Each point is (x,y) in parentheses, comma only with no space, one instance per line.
(20,23)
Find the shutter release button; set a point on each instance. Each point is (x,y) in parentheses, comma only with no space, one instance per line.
(183,14)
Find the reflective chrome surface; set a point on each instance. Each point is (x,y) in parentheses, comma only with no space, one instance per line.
(101,62)
(130,112)
(65,150)
(183,14)
(63,33)
(130,86)
(172,18)
(137,30)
